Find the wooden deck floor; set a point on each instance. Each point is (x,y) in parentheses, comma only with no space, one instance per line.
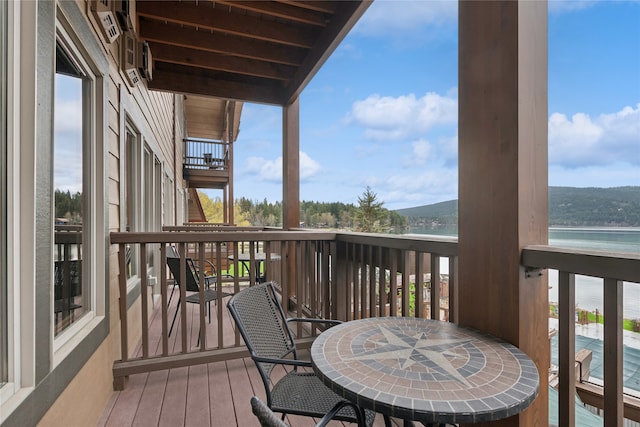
(215,394)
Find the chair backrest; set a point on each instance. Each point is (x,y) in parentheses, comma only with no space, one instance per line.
(174,266)
(67,283)
(262,324)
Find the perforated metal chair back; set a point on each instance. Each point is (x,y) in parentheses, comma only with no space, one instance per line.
(174,267)
(262,324)
(261,321)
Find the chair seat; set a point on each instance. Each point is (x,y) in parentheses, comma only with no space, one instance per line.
(302,393)
(209,295)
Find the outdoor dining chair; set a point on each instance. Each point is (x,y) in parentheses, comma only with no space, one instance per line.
(192,286)
(268,418)
(261,321)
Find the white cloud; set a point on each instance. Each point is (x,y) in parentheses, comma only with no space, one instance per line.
(67,162)
(615,175)
(420,152)
(393,118)
(448,149)
(583,141)
(271,170)
(392,18)
(562,6)
(68,116)
(434,185)
(308,167)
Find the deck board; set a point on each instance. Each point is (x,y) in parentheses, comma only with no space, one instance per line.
(198,414)
(215,394)
(150,404)
(220,399)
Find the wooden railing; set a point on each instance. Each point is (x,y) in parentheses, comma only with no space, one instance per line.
(614,269)
(206,154)
(348,276)
(67,275)
(336,276)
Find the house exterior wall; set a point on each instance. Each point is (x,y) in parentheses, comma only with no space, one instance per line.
(67,379)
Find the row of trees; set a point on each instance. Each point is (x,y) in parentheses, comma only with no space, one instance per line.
(370,216)
(68,206)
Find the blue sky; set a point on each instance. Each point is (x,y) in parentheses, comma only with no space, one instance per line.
(382,112)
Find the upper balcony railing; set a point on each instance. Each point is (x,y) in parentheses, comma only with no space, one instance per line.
(206,154)
(349,276)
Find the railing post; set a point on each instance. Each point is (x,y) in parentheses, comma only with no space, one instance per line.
(119,382)
(340,284)
(393,282)
(613,403)
(419,288)
(183,296)
(144,300)
(435,287)
(406,292)
(163,298)
(382,283)
(566,348)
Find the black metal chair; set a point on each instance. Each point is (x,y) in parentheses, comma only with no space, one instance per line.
(268,418)
(261,321)
(191,273)
(67,286)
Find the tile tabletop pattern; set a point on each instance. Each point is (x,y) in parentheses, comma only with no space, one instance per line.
(425,370)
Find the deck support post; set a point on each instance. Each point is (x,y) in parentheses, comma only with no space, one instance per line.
(291,180)
(503,183)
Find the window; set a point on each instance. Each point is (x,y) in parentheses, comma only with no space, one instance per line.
(4,331)
(71,102)
(152,206)
(131,195)
(169,206)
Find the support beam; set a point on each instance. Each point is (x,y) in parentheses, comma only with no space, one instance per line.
(231,120)
(291,166)
(503,184)
(291,180)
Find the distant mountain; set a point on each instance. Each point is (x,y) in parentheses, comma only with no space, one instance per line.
(568,206)
(437,210)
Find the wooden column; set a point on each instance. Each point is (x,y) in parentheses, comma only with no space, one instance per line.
(291,181)
(503,184)
(229,197)
(291,165)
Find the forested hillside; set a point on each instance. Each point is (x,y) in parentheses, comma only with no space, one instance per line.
(568,206)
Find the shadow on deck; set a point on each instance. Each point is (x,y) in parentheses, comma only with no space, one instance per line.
(214,394)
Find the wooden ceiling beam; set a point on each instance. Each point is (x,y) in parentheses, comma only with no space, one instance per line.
(204,15)
(286,11)
(318,6)
(346,16)
(219,43)
(219,62)
(181,79)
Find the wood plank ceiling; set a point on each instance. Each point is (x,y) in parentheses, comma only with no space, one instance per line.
(255,51)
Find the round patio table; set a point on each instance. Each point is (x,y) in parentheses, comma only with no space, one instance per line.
(425,370)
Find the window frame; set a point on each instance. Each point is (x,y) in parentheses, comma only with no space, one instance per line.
(89,101)
(131,191)
(87,84)
(36,369)
(4,281)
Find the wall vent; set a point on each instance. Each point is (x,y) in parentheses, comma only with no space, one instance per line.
(103,12)
(123,12)
(145,61)
(130,48)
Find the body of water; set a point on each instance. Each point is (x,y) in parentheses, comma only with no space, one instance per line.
(589,290)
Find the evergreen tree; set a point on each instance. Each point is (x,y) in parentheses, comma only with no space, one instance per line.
(370,215)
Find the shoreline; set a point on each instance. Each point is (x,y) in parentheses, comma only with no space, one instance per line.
(596,330)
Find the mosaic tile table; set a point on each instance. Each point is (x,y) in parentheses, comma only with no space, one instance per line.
(425,370)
